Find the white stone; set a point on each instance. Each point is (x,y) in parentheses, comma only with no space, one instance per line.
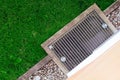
(37,78)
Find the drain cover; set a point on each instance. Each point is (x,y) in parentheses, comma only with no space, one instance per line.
(78,39)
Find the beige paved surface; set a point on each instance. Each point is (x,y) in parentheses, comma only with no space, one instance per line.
(106,67)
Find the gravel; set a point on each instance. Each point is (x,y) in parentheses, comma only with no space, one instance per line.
(50,71)
(114,17)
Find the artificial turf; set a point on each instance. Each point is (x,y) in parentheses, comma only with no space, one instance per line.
(25,24)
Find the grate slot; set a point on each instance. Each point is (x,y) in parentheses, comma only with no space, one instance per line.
(79,48)
(58,51)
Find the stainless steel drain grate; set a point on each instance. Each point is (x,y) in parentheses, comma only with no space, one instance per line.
(77,44)
(74,44)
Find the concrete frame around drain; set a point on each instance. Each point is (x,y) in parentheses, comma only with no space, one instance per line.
(68,27)
(112,7)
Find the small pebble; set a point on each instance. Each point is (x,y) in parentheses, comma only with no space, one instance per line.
(50,71)
(114,18)
(36,78)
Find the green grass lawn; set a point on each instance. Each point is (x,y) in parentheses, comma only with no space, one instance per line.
(25,24)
